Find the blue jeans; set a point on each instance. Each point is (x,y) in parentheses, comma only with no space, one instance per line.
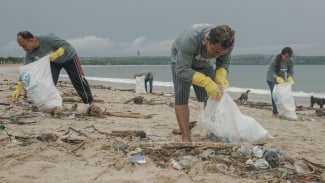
(271,86)
(150,84)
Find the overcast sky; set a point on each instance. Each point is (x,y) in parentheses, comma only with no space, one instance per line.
(123,27)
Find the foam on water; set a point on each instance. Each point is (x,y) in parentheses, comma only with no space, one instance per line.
(170,84)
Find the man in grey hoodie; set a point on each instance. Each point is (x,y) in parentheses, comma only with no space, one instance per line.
(191,62)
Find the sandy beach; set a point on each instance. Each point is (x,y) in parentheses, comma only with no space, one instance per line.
(76,146)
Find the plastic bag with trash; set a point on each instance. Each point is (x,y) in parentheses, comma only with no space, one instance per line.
(139,85)
(283,97)
(224,119)
(38,82)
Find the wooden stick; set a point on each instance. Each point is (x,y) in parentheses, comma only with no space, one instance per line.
(170,145)
(79,146)
(126,133)
(78,131)
(21,122)
(128,115)
(1,103)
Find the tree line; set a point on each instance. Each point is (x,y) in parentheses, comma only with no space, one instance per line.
(165,60)
(11,60)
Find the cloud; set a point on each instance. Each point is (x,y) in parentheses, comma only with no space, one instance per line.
(105,47)
(93,46)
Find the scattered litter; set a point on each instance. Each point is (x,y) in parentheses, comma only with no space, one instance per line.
(139,158)
(175,165)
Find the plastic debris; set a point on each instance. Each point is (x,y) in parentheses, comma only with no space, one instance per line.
(139,158)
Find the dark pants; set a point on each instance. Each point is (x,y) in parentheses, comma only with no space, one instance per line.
(76,75)
(271,86)
(150,84)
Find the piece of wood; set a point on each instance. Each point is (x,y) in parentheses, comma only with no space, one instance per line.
(127,115)
(2,103)
(22,122)
(180,145)
(125,133)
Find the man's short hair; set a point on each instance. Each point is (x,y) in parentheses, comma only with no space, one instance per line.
(25,34)
(223,35)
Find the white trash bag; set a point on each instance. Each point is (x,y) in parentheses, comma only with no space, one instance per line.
(139,85)
(37,80)
(285,102)
(224,120)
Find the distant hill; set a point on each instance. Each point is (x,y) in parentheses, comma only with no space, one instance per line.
(164,60)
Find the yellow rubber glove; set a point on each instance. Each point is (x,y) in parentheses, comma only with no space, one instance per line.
(221,75)
(16,93)
(206,82)
(279,80)
(58,53)
(290,79)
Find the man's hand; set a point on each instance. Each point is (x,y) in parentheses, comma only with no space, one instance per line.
(206,82)
(58,53)
(290,79)
(279,80)
(221,75)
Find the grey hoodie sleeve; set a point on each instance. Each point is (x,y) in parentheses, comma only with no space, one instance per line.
(185,54)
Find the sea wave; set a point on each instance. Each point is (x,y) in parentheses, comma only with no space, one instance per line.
(231,89)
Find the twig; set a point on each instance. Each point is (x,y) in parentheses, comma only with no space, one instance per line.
(130,115)
(78,131)
(79,146)
(1,103)
(22,123)
(105,133)
(189,145)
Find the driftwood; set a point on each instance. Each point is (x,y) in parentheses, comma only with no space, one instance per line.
(136,100)
(142,100)
(22,122)
(127,115)
(70,99)
(77,131)
(126,133)
(126,90)
(18,116)
(180,145)
(2,103)
(320,112)
(319,165)
(79,146)
(47,137)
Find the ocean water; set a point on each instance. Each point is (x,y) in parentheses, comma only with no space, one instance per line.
(309,79)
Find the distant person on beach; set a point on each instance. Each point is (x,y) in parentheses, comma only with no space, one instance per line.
(192,54)
(148,78)
(63,55)
(279,71)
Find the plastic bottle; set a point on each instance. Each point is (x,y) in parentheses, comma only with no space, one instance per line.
(245,151)
(258,152)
